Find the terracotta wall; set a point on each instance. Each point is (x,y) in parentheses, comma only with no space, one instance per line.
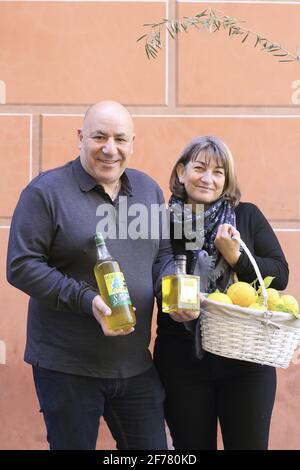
(56,58)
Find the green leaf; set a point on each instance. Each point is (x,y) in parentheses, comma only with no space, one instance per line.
(152,49)
(260,300)
(203,13)
(170,33)
(147,50)
(253,283)
(142,37)
(161,23)
(173,26)
(268,281)
(217,24)
(273,49)
(244,39)
(258,39)
(212,20)
(184,27)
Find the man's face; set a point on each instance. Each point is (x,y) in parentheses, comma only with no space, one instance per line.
(106,144)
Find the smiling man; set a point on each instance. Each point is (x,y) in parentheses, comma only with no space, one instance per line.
(106,143)
(82,370)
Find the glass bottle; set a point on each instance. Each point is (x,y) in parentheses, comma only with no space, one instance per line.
(113,289)
(180,290)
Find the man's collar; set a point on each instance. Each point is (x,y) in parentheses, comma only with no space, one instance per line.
(87,182)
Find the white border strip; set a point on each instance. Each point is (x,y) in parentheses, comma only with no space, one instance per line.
(86,1)
(61,115)
(246,2)
(4,226)
(193,116)
(30,147)
(15,114)
(167,61)
(2,352)
(219,116)
(286,229)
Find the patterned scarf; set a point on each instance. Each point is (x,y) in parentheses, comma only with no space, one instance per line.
(214,271)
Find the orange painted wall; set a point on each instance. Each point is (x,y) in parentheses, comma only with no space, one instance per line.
(56,58)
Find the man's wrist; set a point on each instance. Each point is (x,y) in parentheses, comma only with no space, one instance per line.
(87,301)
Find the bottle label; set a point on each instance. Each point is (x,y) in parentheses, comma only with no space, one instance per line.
(188,290)
(117,289)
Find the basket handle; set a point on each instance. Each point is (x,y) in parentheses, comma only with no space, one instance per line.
(256,269)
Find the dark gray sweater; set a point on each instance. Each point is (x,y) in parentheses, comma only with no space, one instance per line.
(51,256)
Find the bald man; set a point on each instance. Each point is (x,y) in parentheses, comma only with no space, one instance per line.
(82,370)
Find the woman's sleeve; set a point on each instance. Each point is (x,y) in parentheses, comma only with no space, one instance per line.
(267,253)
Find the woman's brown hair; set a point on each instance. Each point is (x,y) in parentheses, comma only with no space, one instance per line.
(210,147)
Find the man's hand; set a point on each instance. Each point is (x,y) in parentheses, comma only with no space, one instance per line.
(100,311)
(184,315)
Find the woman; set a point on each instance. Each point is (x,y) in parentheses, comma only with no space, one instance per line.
(201,391)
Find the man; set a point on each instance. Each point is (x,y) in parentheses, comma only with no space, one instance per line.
(82,370)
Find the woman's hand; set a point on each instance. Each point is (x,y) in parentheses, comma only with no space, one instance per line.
(100,311)
(229,248)
(184,315)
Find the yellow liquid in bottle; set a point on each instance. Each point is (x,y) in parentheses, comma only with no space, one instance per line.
(113,290)
(180,291)
(169,293)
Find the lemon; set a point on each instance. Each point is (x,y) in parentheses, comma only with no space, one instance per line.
(273,297)
(257,306)
(242,294)
(278,306)
(290,304)
(219,297)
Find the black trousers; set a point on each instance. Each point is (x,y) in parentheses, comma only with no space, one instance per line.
(72,406)
(200,392)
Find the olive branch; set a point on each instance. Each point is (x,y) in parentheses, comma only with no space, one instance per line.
(211,21)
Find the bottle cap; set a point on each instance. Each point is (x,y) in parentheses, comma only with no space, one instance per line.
(99,240)
(180,258)
(180,264)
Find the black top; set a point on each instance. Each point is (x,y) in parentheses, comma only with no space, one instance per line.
(51,256)
(261,240)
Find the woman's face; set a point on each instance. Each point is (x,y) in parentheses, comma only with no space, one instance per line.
(203,180)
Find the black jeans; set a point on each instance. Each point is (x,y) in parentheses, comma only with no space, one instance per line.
(72,406)
(200,392)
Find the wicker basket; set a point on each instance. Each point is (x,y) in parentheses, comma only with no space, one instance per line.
(268,338)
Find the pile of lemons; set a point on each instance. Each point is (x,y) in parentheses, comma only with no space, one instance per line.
(245,295)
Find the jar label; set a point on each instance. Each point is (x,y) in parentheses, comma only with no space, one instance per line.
(188,290)
(117,289)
